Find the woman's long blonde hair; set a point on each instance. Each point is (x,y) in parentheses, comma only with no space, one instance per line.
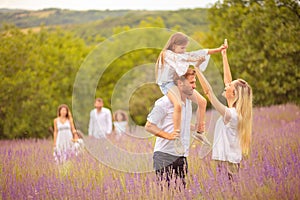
(175,39)
(243,105)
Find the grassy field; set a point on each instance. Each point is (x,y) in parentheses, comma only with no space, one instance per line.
(28,170)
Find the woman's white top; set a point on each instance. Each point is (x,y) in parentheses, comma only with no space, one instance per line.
(226,146)
(175,63)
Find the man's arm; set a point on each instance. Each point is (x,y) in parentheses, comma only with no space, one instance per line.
(153,129)
(55,133)
(91,124)
(109,122)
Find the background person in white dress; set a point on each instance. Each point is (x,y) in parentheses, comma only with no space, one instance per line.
(100,123)
(120,122)
(64,130)
(78,144)
(233,130)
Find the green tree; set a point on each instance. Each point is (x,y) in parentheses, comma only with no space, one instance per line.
(37,73)
(264,45)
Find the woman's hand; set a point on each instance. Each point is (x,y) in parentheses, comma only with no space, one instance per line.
(223,51)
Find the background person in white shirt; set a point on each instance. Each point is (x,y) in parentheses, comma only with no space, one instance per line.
(100,120)
(160,123)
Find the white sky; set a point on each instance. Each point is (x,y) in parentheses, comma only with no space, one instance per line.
(106,4)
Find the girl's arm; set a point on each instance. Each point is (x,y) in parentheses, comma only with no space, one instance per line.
(209,92)
(54,133)
(217,50)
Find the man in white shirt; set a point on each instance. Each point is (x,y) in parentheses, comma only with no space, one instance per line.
(100,120)
(160,123)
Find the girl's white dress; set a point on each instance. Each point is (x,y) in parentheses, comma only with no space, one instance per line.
(175,63)
(226,146)
(64,144)
(120,127)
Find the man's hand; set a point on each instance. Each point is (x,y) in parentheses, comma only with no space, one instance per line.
(173,135)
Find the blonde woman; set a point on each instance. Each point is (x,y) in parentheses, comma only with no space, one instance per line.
(64,131)
(233,130)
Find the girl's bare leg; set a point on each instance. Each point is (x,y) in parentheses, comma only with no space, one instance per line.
(174,96)
(200,124)
(201,102)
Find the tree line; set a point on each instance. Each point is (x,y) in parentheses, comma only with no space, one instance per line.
(38,68)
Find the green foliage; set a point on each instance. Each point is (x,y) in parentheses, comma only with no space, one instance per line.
(37,72)
(139,106)
(264,45)
(39,67)
(115,69)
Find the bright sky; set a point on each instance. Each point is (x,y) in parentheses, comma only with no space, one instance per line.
(106,4)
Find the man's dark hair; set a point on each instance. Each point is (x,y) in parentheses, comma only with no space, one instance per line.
(189,72)
(99,99)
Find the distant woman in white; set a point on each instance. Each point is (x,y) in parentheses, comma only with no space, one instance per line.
(63,133)
(100,120)
(233,130)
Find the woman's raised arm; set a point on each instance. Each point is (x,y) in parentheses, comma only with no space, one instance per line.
(226,68)
(209,92)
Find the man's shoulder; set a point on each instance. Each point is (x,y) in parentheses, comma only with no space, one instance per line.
(163,101)
(105,109)
(93,110)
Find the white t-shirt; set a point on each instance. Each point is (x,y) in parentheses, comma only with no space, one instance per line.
(226,146)
(162,116)
(100,123)
(175,63)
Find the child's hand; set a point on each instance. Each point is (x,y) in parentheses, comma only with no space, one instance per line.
(223,51)
(224,46)
(200,61)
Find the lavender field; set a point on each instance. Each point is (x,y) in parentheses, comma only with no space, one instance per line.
(28,170)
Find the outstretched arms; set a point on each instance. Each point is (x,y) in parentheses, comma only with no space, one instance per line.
(219,49)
